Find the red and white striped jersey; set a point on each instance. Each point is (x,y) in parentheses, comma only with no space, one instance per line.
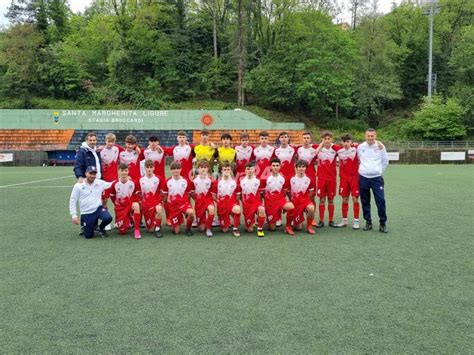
(109,158)
(327,162)
(151,190)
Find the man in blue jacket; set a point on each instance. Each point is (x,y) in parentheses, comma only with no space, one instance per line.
(87,156)
(373,161)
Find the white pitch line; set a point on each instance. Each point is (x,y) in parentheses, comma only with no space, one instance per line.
(40,187)
(33,182)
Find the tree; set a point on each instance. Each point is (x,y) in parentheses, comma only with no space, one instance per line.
(437,120)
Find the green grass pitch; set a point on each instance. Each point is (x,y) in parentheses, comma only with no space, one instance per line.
(341,291)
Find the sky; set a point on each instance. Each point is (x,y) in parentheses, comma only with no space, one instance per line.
(80,5)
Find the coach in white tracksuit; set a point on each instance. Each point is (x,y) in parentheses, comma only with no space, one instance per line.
(373,161)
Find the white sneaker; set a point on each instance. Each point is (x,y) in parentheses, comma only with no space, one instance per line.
(108,227)
(195,224)
(342,224)
(209,233)
(279,223)
(215,221)
(355,225)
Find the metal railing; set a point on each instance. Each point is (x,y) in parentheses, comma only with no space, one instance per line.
(430,144)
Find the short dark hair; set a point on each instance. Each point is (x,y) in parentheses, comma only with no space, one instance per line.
(153,139)
(181,133)
(306,133)
(244,135)
(175,165)
(149,163)
(370,130)
(226,136)
(263,134)
(326,134)
(283,134)
(91,134)
(203,164)
(250,164)
(346,137)
(275,160)
(205,132)
(301,162)
(123,166)
(131,139)
(226,164)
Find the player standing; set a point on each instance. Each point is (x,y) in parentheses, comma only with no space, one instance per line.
(152,208)
(131,158)
(157,155)
(263,154)
(225,153)
(227,203)
(286,153)
(349,179)
(244,155)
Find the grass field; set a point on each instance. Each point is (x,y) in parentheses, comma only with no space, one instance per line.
(340,291)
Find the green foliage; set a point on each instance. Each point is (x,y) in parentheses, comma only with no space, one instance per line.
(437,120)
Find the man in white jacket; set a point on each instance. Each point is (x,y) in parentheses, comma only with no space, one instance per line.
(89,195)
(373,162)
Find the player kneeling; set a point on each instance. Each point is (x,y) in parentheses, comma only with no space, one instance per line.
(177,190)
(250,188)
(204,193)
(227,203)
(302,194)
(125,197)
(152,208)
(276,189)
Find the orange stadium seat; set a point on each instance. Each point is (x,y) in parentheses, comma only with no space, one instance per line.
(35,139)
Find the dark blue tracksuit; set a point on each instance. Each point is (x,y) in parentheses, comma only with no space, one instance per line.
(377,186)
(89,221)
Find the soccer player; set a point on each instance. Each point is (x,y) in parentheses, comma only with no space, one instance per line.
(125,195)
(152,208)
(276,189)
(227,203)
(307,152)
(225,153)
(89,195)
(205,150)
(327,173)
(251,190)
(349,179)
(263,154)
(154,153)
(131,157)
(176,191)
(302,193)
(244,155)
(204,194)
(183,154)
(286,154)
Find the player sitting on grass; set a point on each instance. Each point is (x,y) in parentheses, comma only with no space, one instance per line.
(302,193)
(227,203)
(251,190)
(349,179)
(152,208)
(327,174)
(89,195)
(177,190)
(276,188)
(125,195)
(204,194)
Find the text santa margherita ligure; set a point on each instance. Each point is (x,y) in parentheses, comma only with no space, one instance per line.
(114,116)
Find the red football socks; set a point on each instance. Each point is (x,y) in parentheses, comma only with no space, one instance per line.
(189,222)
(210,218)
(321,211)
(290,214)
(331,212)
(345,209)
(356,208)
(260,221)
(136,220)
(236,220)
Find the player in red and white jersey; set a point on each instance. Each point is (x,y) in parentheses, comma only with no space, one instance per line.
(125,195)
(182,153)
(154,153)
(251,190)
(244,155)
(131,158)
(327,174)
(286,153)
(349,179)
(109,158)
(302,194)
(307,152)
(152,208)
(263,155)
(276,189)
(204,195)
(177,190)
(227,203)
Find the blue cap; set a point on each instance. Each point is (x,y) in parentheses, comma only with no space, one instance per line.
(91,169)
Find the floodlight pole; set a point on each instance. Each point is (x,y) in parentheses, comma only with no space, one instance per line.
(430,58)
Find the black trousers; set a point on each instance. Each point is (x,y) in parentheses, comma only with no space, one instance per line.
(89,221)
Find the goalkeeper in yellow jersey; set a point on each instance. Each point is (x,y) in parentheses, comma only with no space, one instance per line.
(205,150)
(225,153)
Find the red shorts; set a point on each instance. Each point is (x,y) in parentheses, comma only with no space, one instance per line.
(123,217)
(300,208)
(177,213)
(249,211)
(200,207)
(273,209)
(224,211)
(349,186)
(326,188)
(149,214)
